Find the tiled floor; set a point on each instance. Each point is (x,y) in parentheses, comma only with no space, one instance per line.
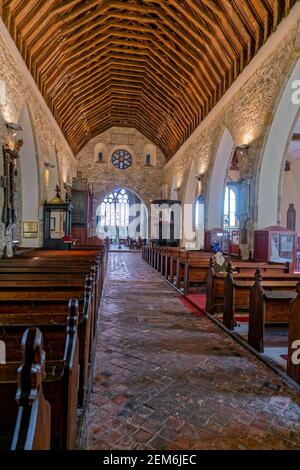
(167,379)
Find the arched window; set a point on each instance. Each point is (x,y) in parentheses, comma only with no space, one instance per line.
(199,212)
(199,222)
(150,155)
(101,153)
(230,208)
(115,209)
(121,215)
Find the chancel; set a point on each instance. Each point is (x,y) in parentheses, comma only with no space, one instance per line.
(150,226)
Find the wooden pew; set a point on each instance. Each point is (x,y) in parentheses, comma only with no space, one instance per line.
(237,290)
(245,266)
(58,258)
(145,253)
(165,253)
(69,269)
(160,258)
(195,269)
(152,256)
(266,307)
(61,384)
(83,263)
(162,261)
(50,307)
(63,277)
(173,256)
(197,264)
(293,362)
(25,421)
(244,272)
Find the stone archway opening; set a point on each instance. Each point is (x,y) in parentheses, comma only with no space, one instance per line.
(218,180)
(275,153)
(289,200)
(29,176)
(122,219)
(190,195)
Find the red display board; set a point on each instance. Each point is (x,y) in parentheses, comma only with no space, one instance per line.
(275,244)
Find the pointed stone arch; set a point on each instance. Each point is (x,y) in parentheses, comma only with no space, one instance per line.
(217,183)
(270,172)
(174,189)
(29,178)
(188,206)
(138,215)
(191,184)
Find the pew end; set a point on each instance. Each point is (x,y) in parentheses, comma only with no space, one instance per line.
(293,364)
(33,426)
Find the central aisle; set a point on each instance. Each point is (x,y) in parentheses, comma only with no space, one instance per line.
(166,379)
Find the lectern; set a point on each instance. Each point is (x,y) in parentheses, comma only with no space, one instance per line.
(57,223)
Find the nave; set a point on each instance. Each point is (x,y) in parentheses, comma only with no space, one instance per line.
(167,378)
(164,137)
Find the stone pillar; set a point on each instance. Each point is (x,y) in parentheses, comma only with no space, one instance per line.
(245,217)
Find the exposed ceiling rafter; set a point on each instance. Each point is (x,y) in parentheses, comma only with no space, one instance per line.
(150,64)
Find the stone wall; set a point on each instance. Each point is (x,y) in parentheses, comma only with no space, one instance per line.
(18,90)
(246,110)
(291,193)
(144,180)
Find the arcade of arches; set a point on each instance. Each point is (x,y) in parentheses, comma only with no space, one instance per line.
(159,133)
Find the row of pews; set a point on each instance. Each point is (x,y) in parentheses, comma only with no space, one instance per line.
(187,269)
(182,268)
(49,303)
(268,297)
(264,294)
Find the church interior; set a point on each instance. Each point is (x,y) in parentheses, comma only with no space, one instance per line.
(150,225)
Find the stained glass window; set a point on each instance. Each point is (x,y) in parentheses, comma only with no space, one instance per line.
(121,159)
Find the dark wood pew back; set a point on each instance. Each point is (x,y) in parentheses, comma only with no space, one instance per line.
(266,307)
(61,384)
(293,363)
(25,421)
(246,272)
(48,309)
(237,289)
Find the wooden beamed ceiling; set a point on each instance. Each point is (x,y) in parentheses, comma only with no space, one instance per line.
(157,65)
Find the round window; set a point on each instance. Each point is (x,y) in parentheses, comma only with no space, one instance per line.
(121,159)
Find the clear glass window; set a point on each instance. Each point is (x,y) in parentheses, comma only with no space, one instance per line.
(230,208)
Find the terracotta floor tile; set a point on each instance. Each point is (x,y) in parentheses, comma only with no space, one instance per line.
(166,379)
